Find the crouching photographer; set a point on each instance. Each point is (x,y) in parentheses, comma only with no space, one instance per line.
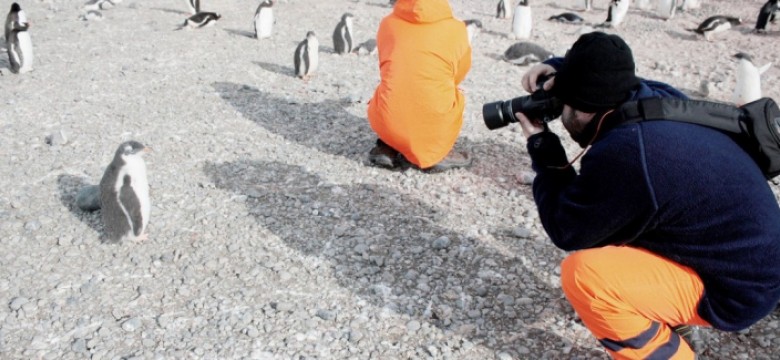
(672,223)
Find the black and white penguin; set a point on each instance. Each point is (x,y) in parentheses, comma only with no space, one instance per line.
(616,13)
(665,8)
(715,24)
(194,6)
(522,20)
(524,53)
(307,56)
(17,40)
(472,28)
(767,14)
(503,10)
(342,35)
(264,19)
(367,47)
(748,84)
(201,19)
(124,194)
(567,17)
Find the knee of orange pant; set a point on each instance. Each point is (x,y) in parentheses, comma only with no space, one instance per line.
(573,271)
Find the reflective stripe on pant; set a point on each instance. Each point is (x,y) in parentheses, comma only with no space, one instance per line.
(629,297)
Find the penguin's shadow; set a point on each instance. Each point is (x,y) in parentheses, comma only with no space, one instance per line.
(243,33)
(380,4)
(172,11)
(69,187)
(493,33)
(679,35)
(377,265)
(279,69)
(495,56)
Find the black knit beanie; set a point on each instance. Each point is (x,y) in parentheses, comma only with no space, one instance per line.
(597,73)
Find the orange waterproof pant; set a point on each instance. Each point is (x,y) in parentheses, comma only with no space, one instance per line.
(629,298)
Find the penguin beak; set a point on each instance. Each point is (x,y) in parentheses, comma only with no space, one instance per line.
(147,150)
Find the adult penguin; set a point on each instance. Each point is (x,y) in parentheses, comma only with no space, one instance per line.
(18,42)
(264,19)
(522,21)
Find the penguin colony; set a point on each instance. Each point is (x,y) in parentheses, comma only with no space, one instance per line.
(123,192)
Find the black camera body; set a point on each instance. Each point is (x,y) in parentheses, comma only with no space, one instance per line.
(540,105)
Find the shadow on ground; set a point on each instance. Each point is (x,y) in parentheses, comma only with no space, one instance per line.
(69,186)
(387,248)
(326,126)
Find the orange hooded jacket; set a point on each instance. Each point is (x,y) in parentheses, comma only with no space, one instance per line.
(424,54)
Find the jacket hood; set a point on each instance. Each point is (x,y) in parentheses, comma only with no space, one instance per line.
(423,11)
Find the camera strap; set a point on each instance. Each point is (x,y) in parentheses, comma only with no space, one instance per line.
(754,126)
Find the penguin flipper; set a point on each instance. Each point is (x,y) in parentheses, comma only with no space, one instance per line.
(764,68)
(132,206)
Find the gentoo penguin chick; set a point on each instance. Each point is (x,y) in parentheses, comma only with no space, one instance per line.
(567,17)
(201,19)
(748,86)
(368,47)
(17,40)
(307,56)
(503,10)
(194,6)
(124,194)
(715,24)
(767,14)
(472,28)
(264,19)
(524,53)
(342,35)
(665,9)
(522,21)
(616,13)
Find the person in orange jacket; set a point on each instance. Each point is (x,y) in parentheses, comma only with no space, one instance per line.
(417,109)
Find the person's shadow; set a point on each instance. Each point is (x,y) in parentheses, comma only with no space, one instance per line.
(327,127)
(388,248)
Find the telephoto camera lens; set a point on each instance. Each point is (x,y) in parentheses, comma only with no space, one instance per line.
(540,105)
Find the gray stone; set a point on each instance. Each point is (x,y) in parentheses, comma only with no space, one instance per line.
(131,324)
(441,243)
(88,198)
(413,326)
(325,314)
(17,302)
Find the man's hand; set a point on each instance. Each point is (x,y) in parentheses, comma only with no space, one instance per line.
(530,77)
(530,127)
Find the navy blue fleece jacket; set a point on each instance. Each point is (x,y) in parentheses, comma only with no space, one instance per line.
(683,191)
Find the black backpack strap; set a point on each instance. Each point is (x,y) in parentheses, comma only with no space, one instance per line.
(718,115)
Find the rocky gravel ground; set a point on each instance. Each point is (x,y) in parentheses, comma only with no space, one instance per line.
(270,235)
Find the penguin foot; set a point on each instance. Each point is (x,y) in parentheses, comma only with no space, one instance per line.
(141,238)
